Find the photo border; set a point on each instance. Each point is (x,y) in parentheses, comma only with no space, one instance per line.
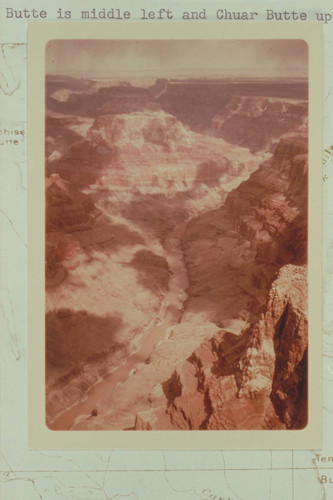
(40,436)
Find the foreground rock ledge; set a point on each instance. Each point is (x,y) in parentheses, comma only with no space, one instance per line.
(253,381)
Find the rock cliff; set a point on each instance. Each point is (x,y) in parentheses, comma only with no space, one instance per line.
(252,381)
(140,129)
(257,122)
(252,373)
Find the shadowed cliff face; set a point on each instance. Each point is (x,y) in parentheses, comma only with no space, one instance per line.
(94,101)
(261,226)
(173,257)
(252,381)
(253,378)
(256,122)
(81,163)
(80,349)
(74,337)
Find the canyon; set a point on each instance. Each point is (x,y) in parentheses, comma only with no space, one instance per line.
(176,254)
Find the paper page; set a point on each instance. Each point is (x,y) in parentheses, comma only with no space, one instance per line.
(31,473)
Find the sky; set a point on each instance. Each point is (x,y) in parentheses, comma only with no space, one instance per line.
(177,58)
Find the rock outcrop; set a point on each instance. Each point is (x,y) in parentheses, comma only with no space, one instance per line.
(255,380)
(257,122)
(139,129)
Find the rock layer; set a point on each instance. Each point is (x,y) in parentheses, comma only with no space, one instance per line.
(257,122)
(170,303)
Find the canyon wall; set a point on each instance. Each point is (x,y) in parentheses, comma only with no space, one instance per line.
(246,310)
(176,251)
(250,377)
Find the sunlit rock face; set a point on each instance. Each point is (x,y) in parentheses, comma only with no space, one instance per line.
(141,129)
(252,381)
(176,229)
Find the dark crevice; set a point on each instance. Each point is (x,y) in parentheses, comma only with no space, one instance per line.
(172,388)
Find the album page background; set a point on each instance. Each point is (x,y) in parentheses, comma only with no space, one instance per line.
(30,474)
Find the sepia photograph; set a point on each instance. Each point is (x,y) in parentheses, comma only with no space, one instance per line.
(176,187)
(174,232)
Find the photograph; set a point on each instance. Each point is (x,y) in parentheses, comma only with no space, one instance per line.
(176,195)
